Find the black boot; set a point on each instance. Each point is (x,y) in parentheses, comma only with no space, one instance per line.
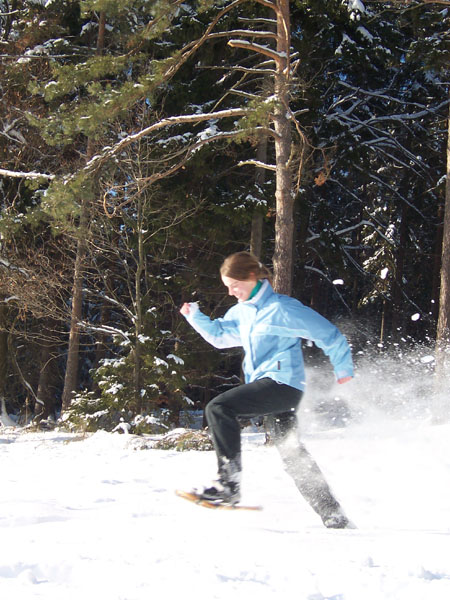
(227,488)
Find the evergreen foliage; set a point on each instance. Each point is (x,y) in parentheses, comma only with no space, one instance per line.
(92,95)
(156,409)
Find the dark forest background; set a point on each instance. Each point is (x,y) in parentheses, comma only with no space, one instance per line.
(136,152)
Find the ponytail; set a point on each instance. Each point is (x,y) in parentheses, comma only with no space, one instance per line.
(241,266)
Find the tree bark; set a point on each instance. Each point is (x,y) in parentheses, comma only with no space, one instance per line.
(443,327)
(71,374)
(3,348)
(284,224)
(138,309)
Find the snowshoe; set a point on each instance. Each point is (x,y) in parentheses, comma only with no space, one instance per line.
(221,493)
(227,488)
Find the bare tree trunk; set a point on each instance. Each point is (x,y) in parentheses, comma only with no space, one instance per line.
(138,310)
(71,375)
(3,348)
(284,224)
(45,398)
(42,406)
(443,327)
(435,286)
(101,343)
(443,330)
(383,321)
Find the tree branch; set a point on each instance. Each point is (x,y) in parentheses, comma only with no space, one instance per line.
(243,32)
(273,54)
(257,163)
(25,175)
(97,160)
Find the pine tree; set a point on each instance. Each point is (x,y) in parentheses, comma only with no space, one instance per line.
(172,115)
(372,102)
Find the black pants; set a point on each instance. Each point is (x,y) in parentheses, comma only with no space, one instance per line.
(262,398)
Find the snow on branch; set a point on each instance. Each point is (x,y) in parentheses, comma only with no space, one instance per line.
(121,305)
(362,223)
(5,263)
(188,152)
(273,54)
(257,163)
(111,151)
(205,138)
(254,70)
(105,329)
(243,32)
(25,174)
(258,20)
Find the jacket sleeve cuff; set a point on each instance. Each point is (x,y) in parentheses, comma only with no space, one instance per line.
(341,374)
(193,309)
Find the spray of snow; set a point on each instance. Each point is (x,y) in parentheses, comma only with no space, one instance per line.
(392,383)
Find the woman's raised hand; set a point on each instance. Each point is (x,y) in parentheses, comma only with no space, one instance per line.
(185,309)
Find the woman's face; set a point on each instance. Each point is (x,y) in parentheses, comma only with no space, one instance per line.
(240,289)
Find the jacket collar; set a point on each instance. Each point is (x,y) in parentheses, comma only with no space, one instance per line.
(264,291)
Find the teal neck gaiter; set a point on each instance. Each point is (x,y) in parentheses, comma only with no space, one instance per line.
(255,290)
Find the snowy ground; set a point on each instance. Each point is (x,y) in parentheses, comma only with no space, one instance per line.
(98,517)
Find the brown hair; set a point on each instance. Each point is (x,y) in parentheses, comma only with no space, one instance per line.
(241,265)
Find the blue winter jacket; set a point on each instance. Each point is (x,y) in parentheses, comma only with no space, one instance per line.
(270,328)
